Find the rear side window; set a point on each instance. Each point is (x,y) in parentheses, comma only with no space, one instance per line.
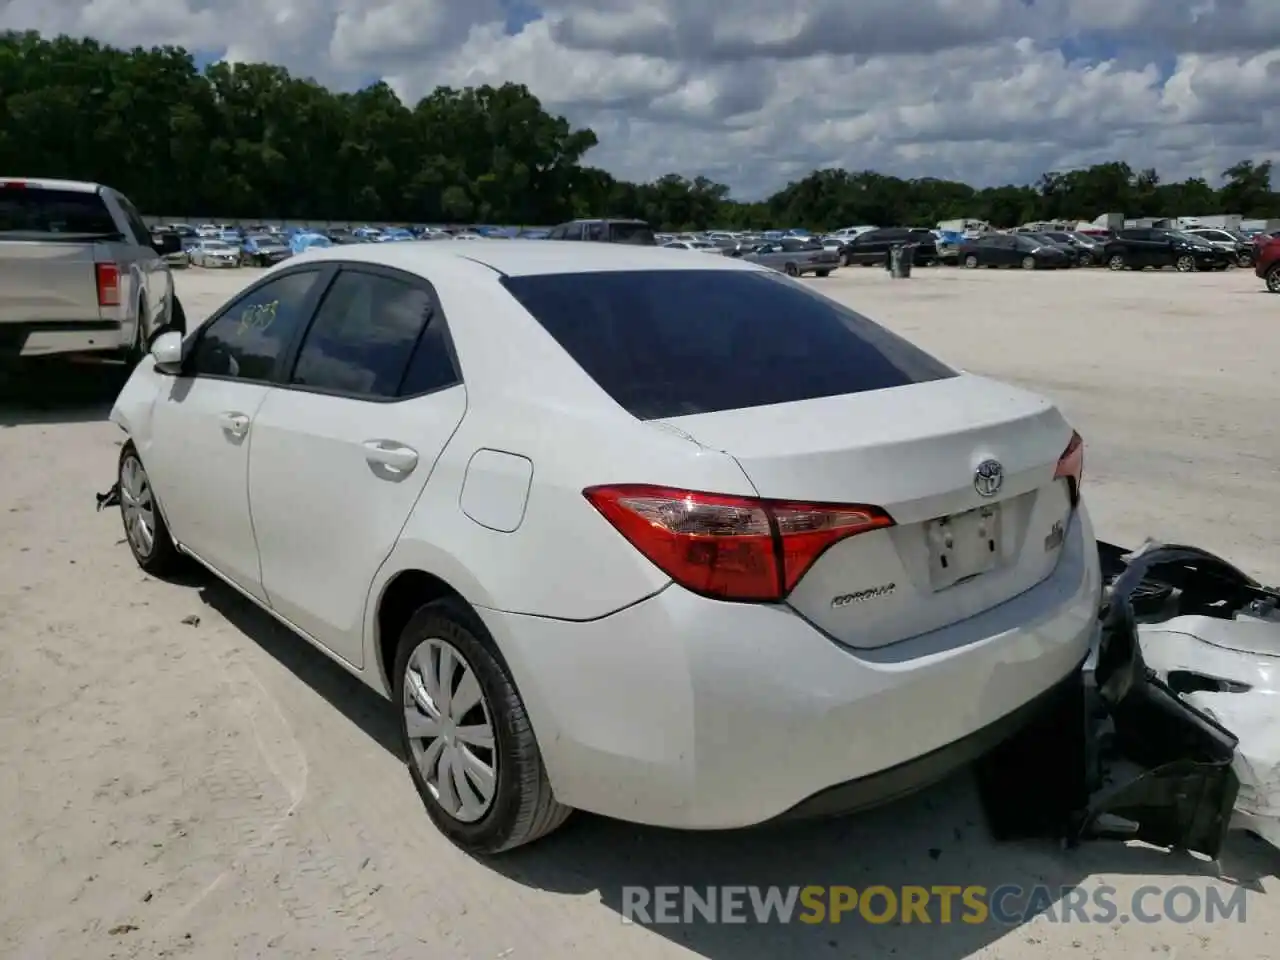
(363,335)
(636,233)
(33,210)
(670,343)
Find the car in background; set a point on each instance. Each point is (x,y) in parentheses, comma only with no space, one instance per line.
(871,248)
(1069,250)
(702,246)
(1142,247)
(633,232)
(1236,245)
(264,250)
(795,257)
(177,257)
(213,254)
(533,234)
(526,494)
(846,234)
(1086,251)
(1266,263)
(1020,250)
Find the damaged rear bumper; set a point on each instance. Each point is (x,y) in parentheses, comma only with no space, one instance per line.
(1174,738)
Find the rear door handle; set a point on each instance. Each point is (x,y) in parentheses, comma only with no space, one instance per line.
(393,456)
(236,424)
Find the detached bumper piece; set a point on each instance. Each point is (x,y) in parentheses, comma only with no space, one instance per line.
(1175,735)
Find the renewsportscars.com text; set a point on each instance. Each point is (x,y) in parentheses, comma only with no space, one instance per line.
(1009,905)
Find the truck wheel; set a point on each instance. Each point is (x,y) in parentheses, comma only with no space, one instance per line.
(178,317)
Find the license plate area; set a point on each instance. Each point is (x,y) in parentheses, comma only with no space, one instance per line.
(963,546)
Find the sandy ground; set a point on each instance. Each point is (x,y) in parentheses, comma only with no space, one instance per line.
(185,779)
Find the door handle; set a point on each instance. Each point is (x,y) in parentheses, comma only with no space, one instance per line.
(392,456)
(236,424)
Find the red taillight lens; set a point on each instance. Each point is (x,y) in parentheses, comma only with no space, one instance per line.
(14,185)
(730,547)
(108,277)
(1071,467)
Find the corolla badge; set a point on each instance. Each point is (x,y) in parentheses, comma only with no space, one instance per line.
(988,478)
(861,596)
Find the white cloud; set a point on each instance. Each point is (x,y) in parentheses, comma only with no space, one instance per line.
(754,92)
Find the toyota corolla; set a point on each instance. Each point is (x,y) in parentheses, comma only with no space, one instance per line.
(673,539)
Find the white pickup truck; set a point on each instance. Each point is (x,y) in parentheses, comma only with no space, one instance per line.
(80,272)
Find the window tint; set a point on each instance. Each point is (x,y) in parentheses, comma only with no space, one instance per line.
(668,343)
(431,366)
(636,233)
(248,338)
(32,210)
(141,234)
(595,231)
(363,335)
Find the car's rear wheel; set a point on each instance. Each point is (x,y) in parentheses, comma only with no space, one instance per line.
(1028,263)
(144,527)
(468,741)
(971,262)
(791,270)
(1273,279)
(1185,264)
(1116,261)
(1244,260)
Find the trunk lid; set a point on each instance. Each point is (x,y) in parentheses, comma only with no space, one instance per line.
(914,451)
(49,281)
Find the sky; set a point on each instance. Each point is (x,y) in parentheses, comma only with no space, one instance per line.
(756,93)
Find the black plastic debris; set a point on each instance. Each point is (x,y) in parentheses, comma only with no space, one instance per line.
(109,499)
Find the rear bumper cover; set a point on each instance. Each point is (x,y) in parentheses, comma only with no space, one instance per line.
(55,337)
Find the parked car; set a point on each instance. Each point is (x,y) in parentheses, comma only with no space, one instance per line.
(214,254)
(1085,250)
(795,257)
(1011,250)
(1267,263)
(702,246)
(871,248)
(1144,247)
(264,250)
(634,232)
(1235,245)
(1090,244)
(525,566)
(80,271)
(1070,253)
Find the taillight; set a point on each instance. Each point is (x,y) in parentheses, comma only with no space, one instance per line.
(108,277)
(730,547)
(14,185)
(1071,467)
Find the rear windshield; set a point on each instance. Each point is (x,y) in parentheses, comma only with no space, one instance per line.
(636,233)
(32,210)
(670,343)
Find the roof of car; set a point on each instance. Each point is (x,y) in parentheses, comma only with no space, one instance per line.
(525,257)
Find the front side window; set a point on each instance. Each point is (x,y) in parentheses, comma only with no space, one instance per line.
(669,343)
(247,339)
(363,335)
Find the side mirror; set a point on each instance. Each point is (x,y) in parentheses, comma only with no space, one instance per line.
(167,352)
(167,243)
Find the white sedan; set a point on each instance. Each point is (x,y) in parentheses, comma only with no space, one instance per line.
(215,253)
(672,539)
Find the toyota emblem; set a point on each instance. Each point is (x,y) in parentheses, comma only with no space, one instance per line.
(988,478)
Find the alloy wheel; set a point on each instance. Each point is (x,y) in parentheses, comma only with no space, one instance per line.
(1028,263)
(971,262)
(450,729)
(138,506)
(1273,279)
(1116,262)
(1185,264)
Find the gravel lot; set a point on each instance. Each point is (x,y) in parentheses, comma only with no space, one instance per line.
(215,788)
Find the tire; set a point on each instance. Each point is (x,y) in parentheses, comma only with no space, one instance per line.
(847,260)
(157,555)
(1116,262)
(1273,279)
(522,807)
(1185,264)
(138,349)
(1244,261)
(971,262)
(822,273)
(791,270)
(1028,263)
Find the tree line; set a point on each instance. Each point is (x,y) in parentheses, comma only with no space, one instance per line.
(254,141)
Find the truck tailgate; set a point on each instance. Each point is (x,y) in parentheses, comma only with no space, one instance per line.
(48,282)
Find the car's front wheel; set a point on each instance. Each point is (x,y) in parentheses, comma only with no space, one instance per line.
(1185,264)
(1028,263)
(971,262)
(1273,279)
(144,528)
(469,744)
(1116,261)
